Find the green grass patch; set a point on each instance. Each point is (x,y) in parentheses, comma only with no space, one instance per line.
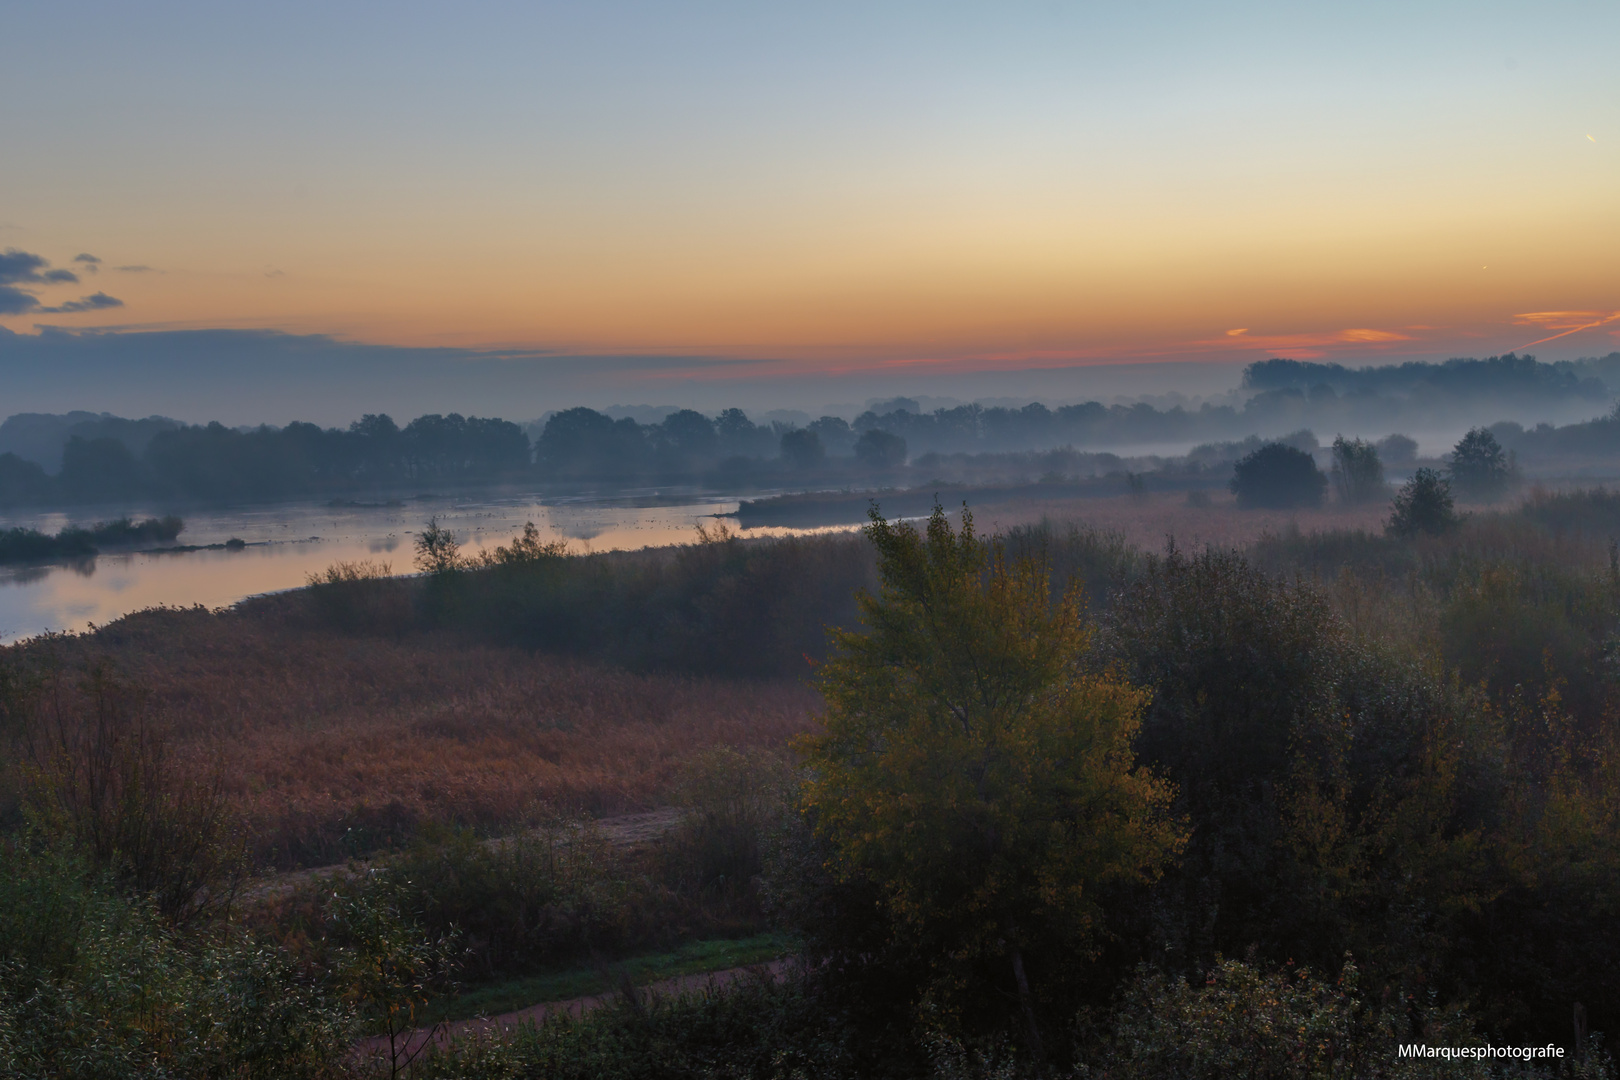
(693,958)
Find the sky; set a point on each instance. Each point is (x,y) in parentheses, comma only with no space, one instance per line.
(650,201)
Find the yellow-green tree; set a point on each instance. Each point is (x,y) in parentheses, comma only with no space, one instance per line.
(973,769)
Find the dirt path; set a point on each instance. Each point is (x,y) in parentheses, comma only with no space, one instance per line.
(411,1045)
(624,830)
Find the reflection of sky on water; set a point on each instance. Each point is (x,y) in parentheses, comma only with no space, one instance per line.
(287,543)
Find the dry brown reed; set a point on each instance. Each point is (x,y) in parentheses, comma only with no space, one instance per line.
(333,744)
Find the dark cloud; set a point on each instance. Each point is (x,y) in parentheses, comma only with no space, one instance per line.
(136,269)
(17,265)
(85,257)
(94,302)
(15,301)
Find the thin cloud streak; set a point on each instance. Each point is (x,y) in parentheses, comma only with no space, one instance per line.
(1551,319)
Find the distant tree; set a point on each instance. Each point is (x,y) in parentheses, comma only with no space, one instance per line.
(375,447)
(1479,467)
(1358,475)
(835,434)
(878,449)
(1423,505)
(972,770)
(22,481)
(1398,449)
(687,432)
(802,448)
(1278,477)
(98,470)
(582,442)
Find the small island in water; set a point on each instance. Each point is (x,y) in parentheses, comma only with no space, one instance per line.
(20,545)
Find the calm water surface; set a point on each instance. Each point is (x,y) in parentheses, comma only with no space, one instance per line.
(288,542)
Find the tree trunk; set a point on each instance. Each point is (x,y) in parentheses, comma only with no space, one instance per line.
(1026,1001)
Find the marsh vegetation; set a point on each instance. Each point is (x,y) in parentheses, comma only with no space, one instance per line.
(1042,803)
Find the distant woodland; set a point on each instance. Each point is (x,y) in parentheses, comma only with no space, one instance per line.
(89,458)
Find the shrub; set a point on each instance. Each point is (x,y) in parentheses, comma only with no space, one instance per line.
(1291,1024)
(734,801)
(1278,477)
(360,597)
(96,985)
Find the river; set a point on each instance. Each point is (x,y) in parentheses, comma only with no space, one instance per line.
(287,542)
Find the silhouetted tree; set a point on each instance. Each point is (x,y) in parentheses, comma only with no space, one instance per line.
(1423,505)
(1358,475)
(1479,467)
(835,434)
(686,442)
(99,470)
(802,448)
(582,442)
(22,481)
(1398,449)
(878,449)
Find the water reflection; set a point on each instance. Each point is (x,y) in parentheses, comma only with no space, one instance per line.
(287,543)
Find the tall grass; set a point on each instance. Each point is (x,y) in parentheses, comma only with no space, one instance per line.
(332,745)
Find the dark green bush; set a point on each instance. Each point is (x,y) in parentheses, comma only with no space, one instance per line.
(1278,476)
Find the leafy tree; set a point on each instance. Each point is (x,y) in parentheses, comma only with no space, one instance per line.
(1358,475)
(1242,670)
(803,448)
(879,449)
(973,772)
(1423,505)
(1278,477)
(1479,467)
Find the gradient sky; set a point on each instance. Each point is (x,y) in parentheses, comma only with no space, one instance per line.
(826,187)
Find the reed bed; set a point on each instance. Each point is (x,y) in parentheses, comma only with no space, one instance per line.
(332,745)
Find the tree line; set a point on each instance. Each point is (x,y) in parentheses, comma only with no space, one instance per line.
(108,459)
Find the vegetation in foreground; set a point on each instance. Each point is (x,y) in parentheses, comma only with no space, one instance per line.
(1274,812)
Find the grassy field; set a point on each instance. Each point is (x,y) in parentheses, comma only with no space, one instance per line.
(693,958)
